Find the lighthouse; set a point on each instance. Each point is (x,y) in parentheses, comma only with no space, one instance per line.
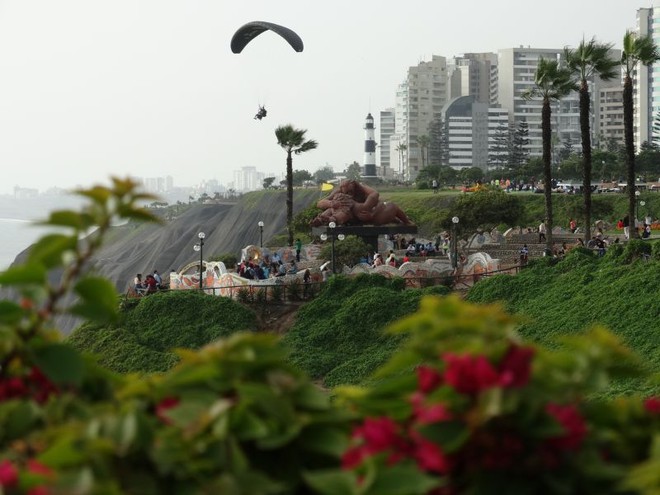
(369,148)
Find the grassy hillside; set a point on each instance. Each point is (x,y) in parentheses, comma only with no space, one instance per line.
(339,338)
(147,332)
(619,291)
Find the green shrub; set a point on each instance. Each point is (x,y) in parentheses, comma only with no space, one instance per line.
(229,259)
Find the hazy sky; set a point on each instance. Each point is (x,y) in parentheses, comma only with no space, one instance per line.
(90,88)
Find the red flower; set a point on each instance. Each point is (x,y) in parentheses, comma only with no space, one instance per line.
(428,414)
(163,406)
(428,455)
(469,374)
(44,387)
(11,388)
(379,434)
(652,405)
(515,368)
(8,474)
(353,457)
(574,426)
(38,490)
(36,467)
(428,378)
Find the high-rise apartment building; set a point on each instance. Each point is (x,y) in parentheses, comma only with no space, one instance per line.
(420,99)
(248,179)
(387,129)
(516,70)
(473,74)
(472,127)
(608,122)
(646,80)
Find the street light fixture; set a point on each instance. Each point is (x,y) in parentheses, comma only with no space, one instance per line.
(454,241)
(261,233)
(200,247)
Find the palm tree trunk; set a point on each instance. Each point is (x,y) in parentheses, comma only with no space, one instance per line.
(546,136)
(630,151)
(586,157)
(289,197)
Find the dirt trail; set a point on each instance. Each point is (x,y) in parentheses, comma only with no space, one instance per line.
(278,318)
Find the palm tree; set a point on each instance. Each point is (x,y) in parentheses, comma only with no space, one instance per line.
(292,141)
(590,59)
(636,50)
(423,142)
(401,148)
(551,83)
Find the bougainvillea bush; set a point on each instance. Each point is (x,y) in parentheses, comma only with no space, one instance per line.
(463,407)
(466,407)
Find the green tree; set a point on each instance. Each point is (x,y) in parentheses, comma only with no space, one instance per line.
(347,252)
(401,150)
(300,177)
(648,159)
(551,83)
(324,174)
(519,146)
(636,50)
(293,142)
(268,182)
(438,146)
(470,175)
(500,150)
(591,59)
(486,209)
(423,143)
(353,172)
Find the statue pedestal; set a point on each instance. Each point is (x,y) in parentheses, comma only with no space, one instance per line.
(368,233)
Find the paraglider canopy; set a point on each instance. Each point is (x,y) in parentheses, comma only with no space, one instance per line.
(251,30)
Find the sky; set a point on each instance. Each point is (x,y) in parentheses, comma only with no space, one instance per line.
(148,88)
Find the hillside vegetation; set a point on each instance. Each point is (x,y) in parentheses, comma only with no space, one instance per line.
(619,291)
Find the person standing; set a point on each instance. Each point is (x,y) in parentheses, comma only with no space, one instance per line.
(434,185)
(626,227)
(572,225)
(542,231)
(298,248)
(158,279)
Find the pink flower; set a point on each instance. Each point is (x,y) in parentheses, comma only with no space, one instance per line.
(469,374)
(353,457)
(574,426)
(515,367)
(8,474)
(428,378)
(652,405)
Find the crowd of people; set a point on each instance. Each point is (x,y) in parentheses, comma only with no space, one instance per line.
(150,284)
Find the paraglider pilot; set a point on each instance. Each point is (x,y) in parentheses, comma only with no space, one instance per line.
(261,113)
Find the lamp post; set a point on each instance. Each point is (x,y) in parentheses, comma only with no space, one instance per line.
(200,247)
(637,195)
(324,237)
(454,242)
(261,233)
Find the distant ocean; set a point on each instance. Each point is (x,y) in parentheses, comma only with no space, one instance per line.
(15,236)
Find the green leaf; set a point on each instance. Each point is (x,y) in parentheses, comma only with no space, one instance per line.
(451,435)
(63,453)
(332,482)
(402,480)
(30,273)
(310,397)
(19,418)
(68,218)
(98,194)
(324,440)
(49,250)
(99,300)
(61,363)
(10,312)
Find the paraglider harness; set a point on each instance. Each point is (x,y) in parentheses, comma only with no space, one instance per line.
(261,113)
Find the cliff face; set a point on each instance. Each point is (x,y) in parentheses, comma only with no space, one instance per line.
(137,248)
(140,248)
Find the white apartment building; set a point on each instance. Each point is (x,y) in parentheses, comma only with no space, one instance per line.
(472,127)
(387,130)
(473,74)
(516,70)
(646,80)
(608,122)
(248,179)
(419,100)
